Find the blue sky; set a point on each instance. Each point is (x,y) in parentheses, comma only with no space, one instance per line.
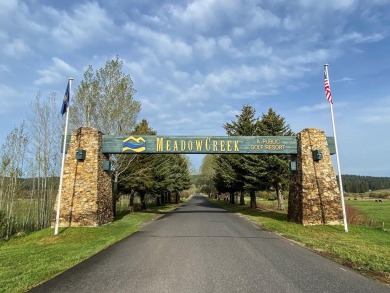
(195,63)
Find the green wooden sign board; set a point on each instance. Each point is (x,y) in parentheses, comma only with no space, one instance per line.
(148,144)
(138,144)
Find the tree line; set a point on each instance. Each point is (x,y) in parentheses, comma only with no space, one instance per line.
(361,184)
(30,156)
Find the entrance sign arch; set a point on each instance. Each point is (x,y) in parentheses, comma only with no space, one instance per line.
(314,196)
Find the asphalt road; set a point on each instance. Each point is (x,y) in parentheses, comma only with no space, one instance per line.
(202,248)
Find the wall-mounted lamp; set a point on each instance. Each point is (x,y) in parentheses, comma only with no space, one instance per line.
(106,165)
(293,166)
(317,155)
(80,155)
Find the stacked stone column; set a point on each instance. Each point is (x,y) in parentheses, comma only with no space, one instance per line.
(314,196)
(86,198)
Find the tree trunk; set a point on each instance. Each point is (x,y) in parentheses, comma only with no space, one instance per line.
(232,201)
(143,201)
(242,199)
(279,196)
(177,197)
(252,194)
(131,201)
(115,193)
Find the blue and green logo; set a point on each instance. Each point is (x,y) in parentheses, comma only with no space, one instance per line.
(132,144)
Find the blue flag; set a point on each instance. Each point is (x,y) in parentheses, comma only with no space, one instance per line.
(65,103)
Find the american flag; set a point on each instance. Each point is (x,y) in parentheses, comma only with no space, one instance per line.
(328,93)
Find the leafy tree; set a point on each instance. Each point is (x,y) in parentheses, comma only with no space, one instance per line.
(44,155)
(12,157)
(105,100)
(276,166)
(31,151)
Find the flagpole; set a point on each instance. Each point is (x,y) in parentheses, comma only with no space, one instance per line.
(337,156)
(63,161)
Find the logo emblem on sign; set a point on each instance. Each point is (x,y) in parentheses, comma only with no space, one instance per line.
(132,144)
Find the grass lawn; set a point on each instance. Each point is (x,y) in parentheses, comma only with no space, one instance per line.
(377,211)
(32,259)
(364,249)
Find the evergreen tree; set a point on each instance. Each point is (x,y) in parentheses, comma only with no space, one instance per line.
(139,178)
(160,174)
(207,173)
(276,172)
(247,167)
(226,179)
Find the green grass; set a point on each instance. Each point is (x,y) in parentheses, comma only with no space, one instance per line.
(364,249)
(376,211)
(32,259)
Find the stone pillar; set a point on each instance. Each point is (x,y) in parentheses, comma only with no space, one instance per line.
(314,196)
(86,198)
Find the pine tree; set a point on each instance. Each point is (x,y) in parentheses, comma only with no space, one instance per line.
(207,173)
(247,167)
(139,177)
(276,166)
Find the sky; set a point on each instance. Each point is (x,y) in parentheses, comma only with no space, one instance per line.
(196,63)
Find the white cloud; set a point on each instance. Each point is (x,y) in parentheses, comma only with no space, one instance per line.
(259,49)
(206,14)
(244,17)
(315,107)
(291,23)
(9,97)
(357,38)
(376,113)
(87,23)
(147,104)
(162,44)
(17,16)
(261,18)
(4,68)
(8,6)
(344,79)
(306,57)
(16,48)
(58,70)
(329,4)
(205,46)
